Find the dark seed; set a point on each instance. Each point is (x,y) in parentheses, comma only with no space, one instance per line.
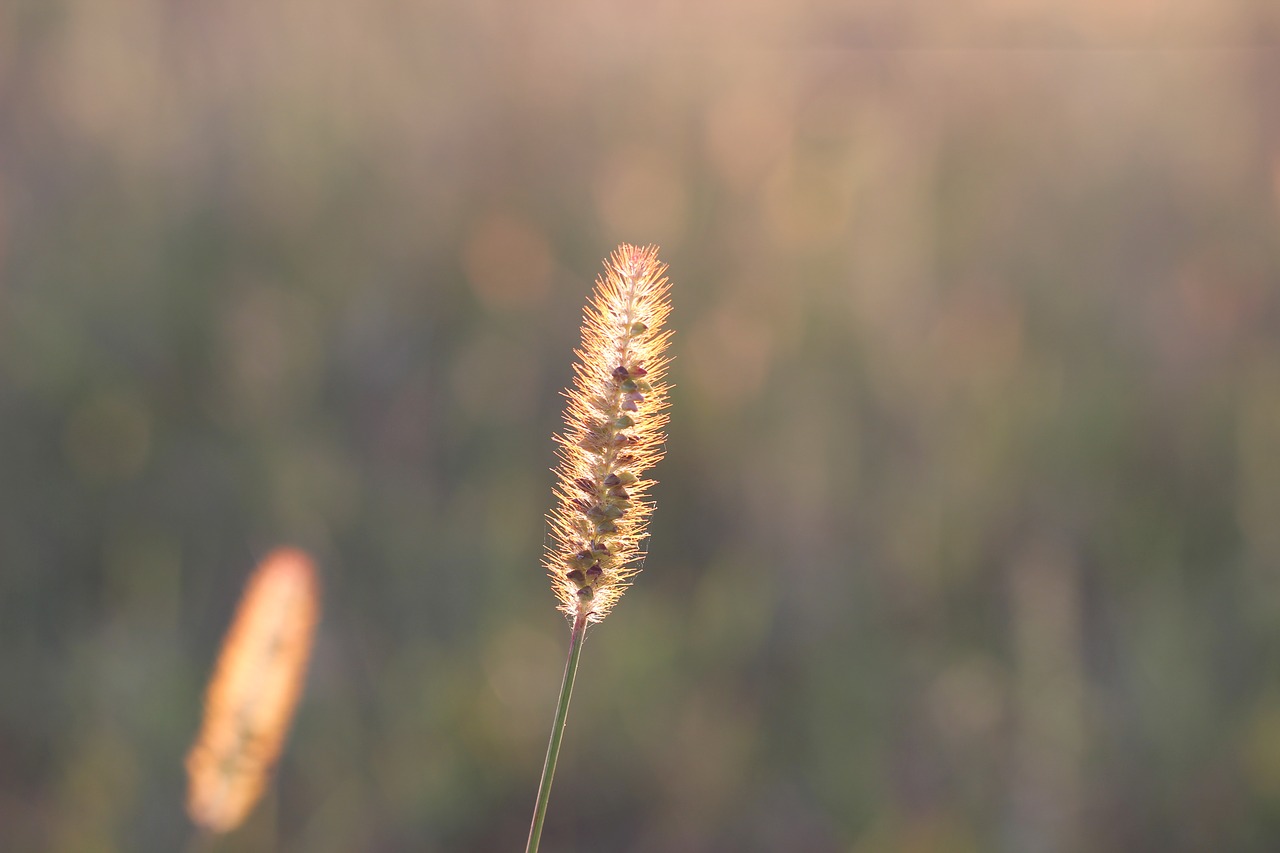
(595,572)
(576,576)
(612,480)
(620,372)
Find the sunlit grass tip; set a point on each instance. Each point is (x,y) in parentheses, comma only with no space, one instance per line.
(254,690)
(614,432)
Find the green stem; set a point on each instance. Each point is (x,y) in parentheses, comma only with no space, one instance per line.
(557,731)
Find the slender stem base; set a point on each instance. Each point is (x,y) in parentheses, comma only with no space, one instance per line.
(557,731)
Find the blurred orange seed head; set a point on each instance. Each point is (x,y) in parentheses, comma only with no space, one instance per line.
(614,432)
(254,690)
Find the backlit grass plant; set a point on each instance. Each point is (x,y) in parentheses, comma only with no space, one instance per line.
(253,692)
(614,432)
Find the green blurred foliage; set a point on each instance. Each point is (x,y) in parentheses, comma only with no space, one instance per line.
(968,534)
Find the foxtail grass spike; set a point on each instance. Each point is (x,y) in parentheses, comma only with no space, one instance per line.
(253,692)
(613,434)
(614,424)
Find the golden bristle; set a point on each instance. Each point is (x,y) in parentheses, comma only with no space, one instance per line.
(613,433)
(254,689)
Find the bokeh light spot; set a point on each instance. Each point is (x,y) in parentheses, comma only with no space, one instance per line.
(641,195)
(508,262)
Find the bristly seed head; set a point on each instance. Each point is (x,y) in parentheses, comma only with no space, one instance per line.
(614,432)
(255,688)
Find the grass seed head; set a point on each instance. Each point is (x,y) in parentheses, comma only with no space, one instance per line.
(254,689)
(614,432)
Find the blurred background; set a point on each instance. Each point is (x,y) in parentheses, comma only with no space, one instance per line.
(968,534)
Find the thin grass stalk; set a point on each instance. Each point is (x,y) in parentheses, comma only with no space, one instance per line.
(576,639)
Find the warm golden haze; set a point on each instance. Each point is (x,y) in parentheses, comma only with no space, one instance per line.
(253,691)
(613,433)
